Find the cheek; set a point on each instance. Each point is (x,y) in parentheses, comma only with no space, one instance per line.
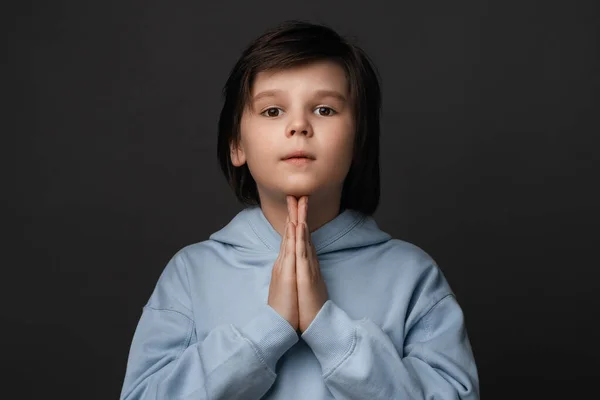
(342,145)
(257,145)
(337,155)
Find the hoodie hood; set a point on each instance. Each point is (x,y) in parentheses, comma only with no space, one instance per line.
(250,230)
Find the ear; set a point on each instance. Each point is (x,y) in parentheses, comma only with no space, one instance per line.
(238,157)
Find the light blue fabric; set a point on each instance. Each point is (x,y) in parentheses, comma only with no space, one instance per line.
(391,329)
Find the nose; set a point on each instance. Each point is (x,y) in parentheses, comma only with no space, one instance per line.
(299,124)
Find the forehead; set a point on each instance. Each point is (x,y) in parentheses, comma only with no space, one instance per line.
(320,75)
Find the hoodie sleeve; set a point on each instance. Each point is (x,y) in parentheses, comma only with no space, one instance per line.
(360,361)
(166,361)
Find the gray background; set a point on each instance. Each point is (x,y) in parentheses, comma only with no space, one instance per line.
(489,126)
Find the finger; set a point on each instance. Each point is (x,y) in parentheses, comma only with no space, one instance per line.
(290,249)
(292,209)
(302,209)
(288,234)
(277,266)
(301,242)
(283,236)
(308,236)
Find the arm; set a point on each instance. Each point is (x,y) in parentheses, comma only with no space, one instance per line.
(359,360)
(167,362)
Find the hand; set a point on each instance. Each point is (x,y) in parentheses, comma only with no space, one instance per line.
(283,294)
(312,291)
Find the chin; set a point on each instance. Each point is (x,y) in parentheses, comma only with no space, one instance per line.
(299,189)
(298,192)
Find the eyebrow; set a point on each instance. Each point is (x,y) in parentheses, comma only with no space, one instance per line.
(318,93)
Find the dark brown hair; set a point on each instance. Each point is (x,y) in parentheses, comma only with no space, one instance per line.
(291,44)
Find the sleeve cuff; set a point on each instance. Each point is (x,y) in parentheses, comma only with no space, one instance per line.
(331,336)
(270,334)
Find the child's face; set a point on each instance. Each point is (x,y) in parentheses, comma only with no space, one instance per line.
(302,108)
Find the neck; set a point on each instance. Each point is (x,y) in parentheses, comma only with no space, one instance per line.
(321,209)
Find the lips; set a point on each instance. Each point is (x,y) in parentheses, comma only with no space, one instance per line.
(298,161)
(299,154)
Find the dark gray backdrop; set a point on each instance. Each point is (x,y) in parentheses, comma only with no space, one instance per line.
(489,122)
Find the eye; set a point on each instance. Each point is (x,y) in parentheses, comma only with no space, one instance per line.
(272,112)
(325,111)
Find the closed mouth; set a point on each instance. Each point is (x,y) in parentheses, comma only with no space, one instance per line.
(298,155)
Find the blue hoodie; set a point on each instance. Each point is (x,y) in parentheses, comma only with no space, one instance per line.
(391,329)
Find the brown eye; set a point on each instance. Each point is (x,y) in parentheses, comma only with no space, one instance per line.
(271,112)
(325,111)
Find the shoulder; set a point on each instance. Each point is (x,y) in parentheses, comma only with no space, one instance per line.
(418,272)
(201,253)
(193,252)
(177,268)
(407,258)
(407,252)
(173,285)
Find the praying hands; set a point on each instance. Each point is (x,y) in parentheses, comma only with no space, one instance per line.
(297,290)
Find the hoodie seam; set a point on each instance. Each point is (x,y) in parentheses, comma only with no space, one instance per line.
(260,237)
(169,310)
(345,357)
(256,350)
(342,233)
(426,315)
(187,278)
